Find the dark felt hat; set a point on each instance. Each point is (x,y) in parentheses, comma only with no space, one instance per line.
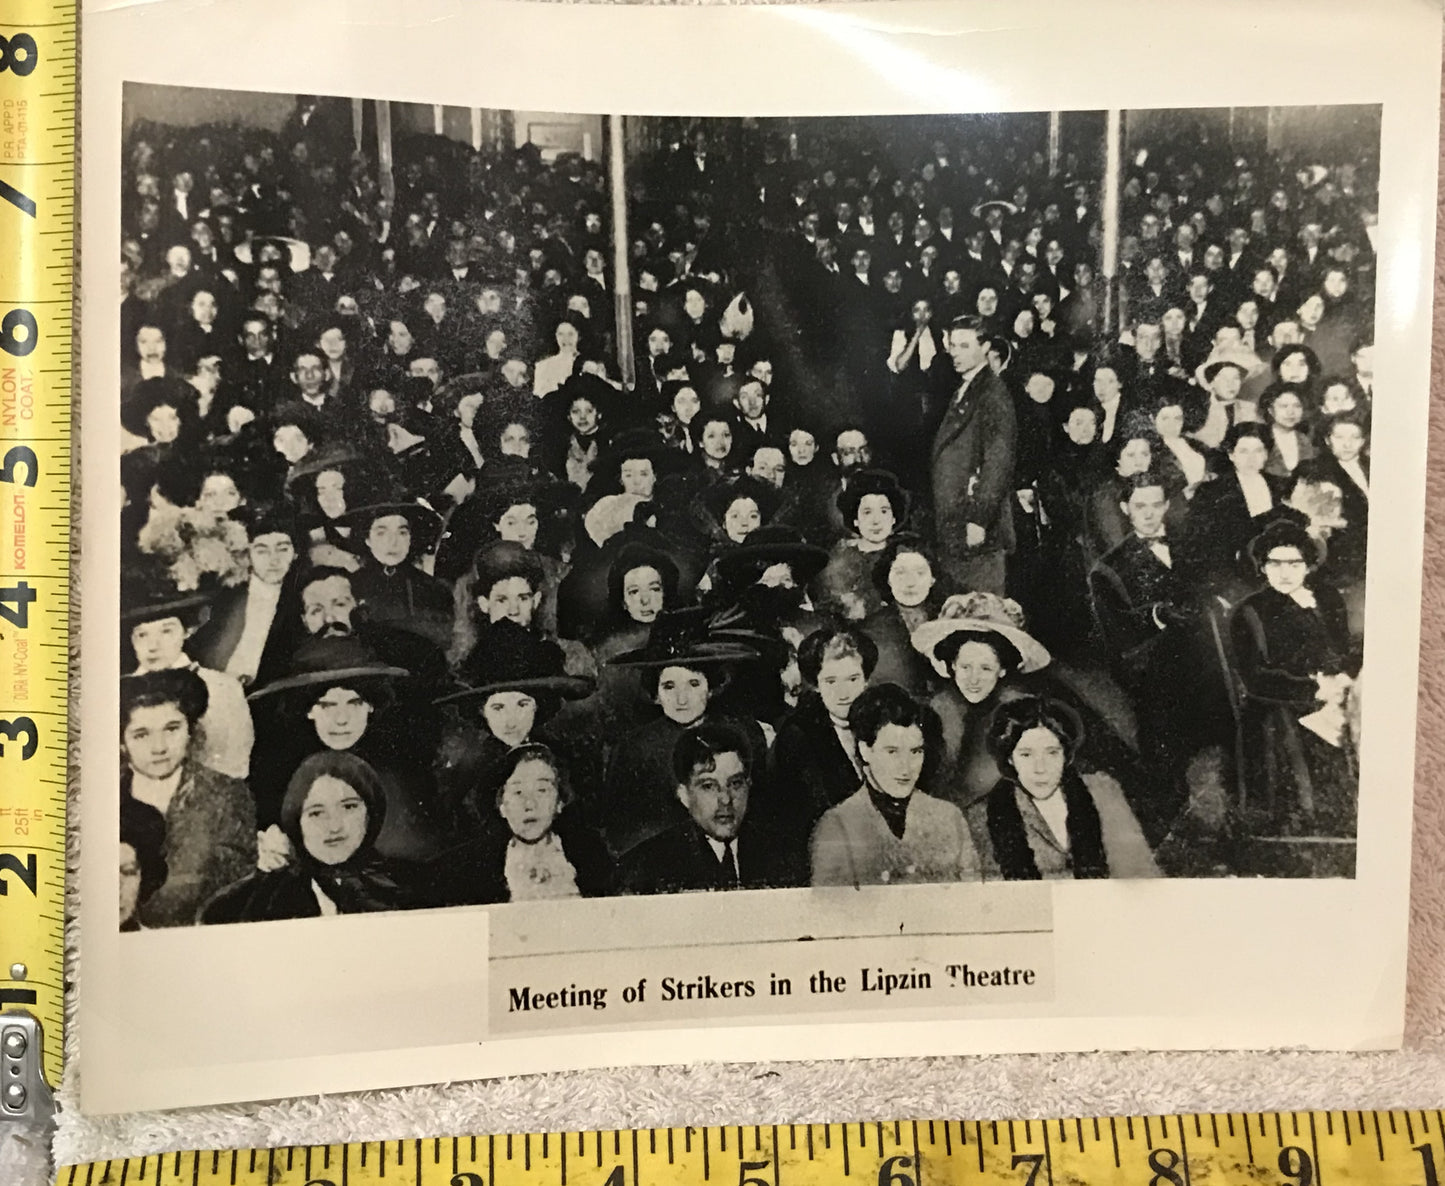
(771,544)
(690,637)
(331,661)
(320,460)
(1214,368)
(510,658)
(636,553)
(259,520)
(149,597)
(425,523)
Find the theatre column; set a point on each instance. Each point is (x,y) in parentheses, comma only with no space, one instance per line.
(358,122)
(1113,181)
(385,179)
(1056,136)
(621,273)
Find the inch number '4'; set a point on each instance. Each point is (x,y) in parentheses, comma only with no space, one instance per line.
(20,595)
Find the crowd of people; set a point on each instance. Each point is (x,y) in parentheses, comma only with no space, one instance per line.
(911,550)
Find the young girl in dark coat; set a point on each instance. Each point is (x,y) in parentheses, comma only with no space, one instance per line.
(332,814)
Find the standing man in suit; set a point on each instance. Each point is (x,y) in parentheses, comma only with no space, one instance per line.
(716,848)
(972,467)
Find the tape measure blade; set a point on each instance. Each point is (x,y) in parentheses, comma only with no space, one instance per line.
(37,220)
(1204,1149)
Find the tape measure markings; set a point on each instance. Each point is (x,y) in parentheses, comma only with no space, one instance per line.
(1232,1149)
(37,232)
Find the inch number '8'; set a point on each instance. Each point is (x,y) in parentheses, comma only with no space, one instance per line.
(19,55)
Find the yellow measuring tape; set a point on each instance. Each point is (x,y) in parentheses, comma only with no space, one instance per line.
(37,228)
(1257,1149)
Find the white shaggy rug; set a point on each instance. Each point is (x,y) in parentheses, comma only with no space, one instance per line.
(1004,1086)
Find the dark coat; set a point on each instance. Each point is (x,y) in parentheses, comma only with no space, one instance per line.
(973,464)
(1218,531)
(898,662)
(1294,781)
(640,798)
(1345,562)
(1132,590)
(811,772)
(406,598)
(216,641)
(287,893)
(680,860)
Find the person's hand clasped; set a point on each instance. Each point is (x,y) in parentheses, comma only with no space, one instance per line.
(273,850)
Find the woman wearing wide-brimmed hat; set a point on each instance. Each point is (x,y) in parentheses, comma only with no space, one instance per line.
(631,465)
(511,684)
(157,622)
(339,695)
(332,816)
(684,664)
(979,646)
(393,535)
(774,556)
(873,506)
(1045,818)
(161,412)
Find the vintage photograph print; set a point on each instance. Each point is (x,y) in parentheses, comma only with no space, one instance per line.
(522,505)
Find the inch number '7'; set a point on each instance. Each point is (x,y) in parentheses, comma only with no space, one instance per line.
(22,202)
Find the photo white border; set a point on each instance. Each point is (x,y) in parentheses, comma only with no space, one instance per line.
(167,1018)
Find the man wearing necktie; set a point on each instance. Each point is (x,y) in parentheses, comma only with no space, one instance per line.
(973,466)
(1152,631)
(717,847)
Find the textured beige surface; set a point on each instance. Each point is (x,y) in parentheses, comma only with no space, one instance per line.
(1037,1085)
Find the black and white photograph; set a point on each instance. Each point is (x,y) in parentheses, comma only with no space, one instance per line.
(746,533)
(523,505)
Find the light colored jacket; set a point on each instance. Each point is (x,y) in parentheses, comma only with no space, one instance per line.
(853,845)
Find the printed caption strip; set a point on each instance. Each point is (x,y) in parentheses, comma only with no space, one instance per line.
(37,231)
(1262,1149)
